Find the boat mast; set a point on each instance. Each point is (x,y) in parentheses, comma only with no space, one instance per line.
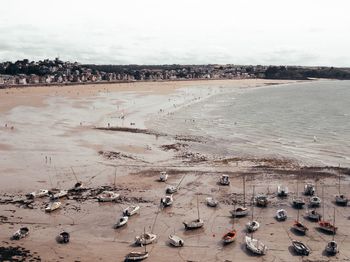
(333,223)
(253,209)
(244,190)
(323,202)
(197,208)
(339,185)
(115,176)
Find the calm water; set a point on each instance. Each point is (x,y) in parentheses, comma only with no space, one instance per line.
(307,121)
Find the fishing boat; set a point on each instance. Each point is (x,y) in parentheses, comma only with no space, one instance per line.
(255,245)
(57,193)
(282,191)
(63,237)
(194,224)
(261,200)
(163,176)
(313,215)
(121,222)
(224,180)
(108,196)
(166,201)
(240,211)
(20,233)
(332,246)
(299,227)
(52,206)
(176,241)
(281,215)
(252,225)
(340,199)
(309,189)
(212,202)
(324,225)
(300,248)
(38,193)
(315,201)
(145,239)
(131,210)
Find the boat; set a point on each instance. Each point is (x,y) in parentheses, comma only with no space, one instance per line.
(281,215)
(145,239)
(131,210)
(121,222)
(57,193)
(315,201)
(255,245)
(261,200)
(174,189)
(252,225)
(136,256)
(313,215)
(332,246)
(340,199)
(212,202)
(78,186)
(224,180)
(309,189)
(163,176)
(52,206)
(108,196)
(299,227)
(166,201)
(297,201)
(38,193)
(63,237)
(194,224)
(176,241)
(282,191)
(230,236)
(240,211)
(20,233)
(324,225)
(300,248)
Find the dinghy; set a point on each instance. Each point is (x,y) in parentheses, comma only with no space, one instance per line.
(176,241)
(212,202)
(313,215)
(332,248)
(309,189)
(281,215)
(121,222)
(171,189)
(108,196)
(136,256)
(315,201)
(20,233)
(300,248)
(163,176)
(131,210)
(63,237)
(252,226)
(145,239)
(38,193)
(255,246)
(224,180)
(52,206)
(166,201)
(282,191)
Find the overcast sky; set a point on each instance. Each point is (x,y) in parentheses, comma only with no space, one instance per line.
(298,32)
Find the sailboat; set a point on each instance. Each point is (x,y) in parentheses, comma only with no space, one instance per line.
(332,246)
(137,255)
(300,248)
(240,211)
(173,189)
(282,191)
(298,202)
(252,225)
(230,236)
(341,199)
(313,215)
(166,201)
(309,189)
(163,176)
(194,224)
(324,225)
(299,227)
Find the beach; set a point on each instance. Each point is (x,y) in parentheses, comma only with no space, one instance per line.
(121,136)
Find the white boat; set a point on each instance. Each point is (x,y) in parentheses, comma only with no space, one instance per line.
(131,210)
(281,215)
(145,239)
(341,200)
(171,189)
(261,200)
(108,196)
(309,189)
(212,202)
(56,194)
(136,256)
(163,176)
(252,226)
(315,201)
(282,191)
(313,215)
(52,206)
(255,246)
(224,180)
(20,233)
(300,248)
(194,224)
(167,201)
(63,237)
(38,193)
(176,241)
(332,248)
(239,211)
(121,221)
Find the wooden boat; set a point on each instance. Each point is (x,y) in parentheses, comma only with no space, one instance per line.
(300,248)
(136,256)
(255,246)
(57,193)
(121,222)
(261,200)
(131,210)
(38,193)
(281,215)
(63,237)
(282,191)
(20,233)
(194,224)
(313,215)
(176,241)
(163,176)
(212,202)
(224,180)
(145,239)
(166,201)
(315,201)
(108,196)
(52,206)
(309,189)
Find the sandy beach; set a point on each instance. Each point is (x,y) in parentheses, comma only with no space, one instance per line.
(52,137)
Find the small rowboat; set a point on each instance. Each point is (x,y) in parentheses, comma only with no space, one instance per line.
(108,196)
(131,210)
(176,241)
(212,202)
(163,176)
(121,222)
(229,237)
(63,237)
(281,215)
(171,189)
(300,248)
(255,246)
(167,201)
(20,233)
(252,226)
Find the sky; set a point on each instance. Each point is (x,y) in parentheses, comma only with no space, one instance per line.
(269,32)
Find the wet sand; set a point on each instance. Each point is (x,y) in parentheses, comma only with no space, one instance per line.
(54,129)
